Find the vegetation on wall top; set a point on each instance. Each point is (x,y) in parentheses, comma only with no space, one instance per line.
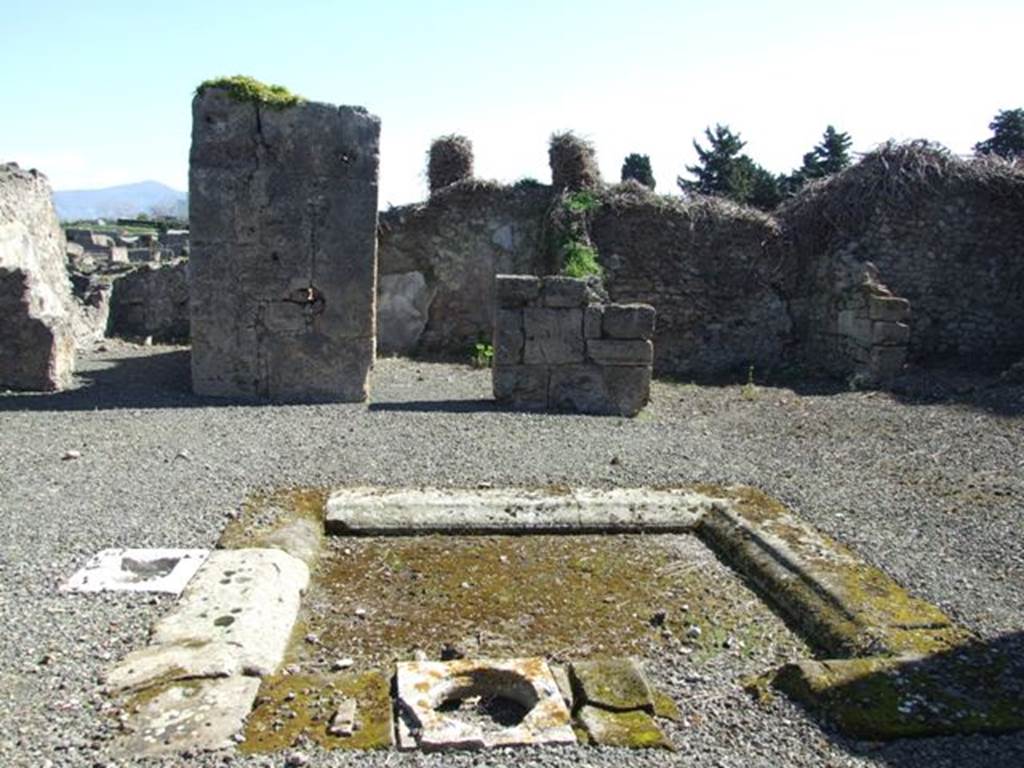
(250,90)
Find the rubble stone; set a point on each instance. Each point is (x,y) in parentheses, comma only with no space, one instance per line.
(37,345)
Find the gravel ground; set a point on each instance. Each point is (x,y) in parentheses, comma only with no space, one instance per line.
(927,483)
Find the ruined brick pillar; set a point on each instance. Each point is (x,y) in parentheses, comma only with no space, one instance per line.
(283,214)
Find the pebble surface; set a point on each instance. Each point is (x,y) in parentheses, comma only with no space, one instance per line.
(927,483)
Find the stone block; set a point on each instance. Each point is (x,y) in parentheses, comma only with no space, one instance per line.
(635,729)
(890,334)
(188,716)
(246,597)
(283,213)
(521,385)
(403,307)
(889,309)
(628,388)
(854,324)
(517,290)
(620,351)
(565,292)
(629,321)
(592,319)
(578,389)
(508,337)
(615,684)
(887,362)
(552,336)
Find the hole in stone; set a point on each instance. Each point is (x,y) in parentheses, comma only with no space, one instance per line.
(224,621)
(144,570)
(491,699)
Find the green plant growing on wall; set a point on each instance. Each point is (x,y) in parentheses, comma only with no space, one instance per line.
(248,89)
(581,260)
(483,355)
(583,201)
(749,391)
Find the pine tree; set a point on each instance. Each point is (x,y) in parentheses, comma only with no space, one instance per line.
(1007,138)
(638,168)
(716,165)
(723,171)
(830,156)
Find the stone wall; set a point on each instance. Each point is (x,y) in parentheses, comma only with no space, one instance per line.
(438,260)
(910,221)
(558,347)
(283,219)
(151,301)
(37,347)
(704,266)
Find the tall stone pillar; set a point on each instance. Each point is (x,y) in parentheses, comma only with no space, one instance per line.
(283,215)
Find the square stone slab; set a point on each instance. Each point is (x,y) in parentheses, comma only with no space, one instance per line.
(475,703)
(137,570)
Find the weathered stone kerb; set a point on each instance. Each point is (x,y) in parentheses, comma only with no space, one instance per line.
(283,209)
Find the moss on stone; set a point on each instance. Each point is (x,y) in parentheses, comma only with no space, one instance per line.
(615,684)
(292,708)
(966,691)
(274,519)
(843,604)
(635,729)
(250,90)
(665,706)
(574,597)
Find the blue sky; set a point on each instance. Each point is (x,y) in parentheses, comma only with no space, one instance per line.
(98,93)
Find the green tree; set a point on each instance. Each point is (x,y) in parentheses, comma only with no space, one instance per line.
(638,168)
(1007,138)
(830,156)
(716,171)
(723,170)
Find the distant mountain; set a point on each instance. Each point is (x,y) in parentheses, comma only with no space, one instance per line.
(126,201)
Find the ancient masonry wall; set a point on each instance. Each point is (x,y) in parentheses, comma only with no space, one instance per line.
(438,259)
(151,300)
(283,213)
(557,347)
(37,346)
(703,264)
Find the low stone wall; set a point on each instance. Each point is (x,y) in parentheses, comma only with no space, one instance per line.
(37,346)
(558,347)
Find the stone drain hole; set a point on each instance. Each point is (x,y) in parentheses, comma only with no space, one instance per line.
(491,699)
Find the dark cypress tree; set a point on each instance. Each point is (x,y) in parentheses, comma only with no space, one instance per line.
(638,168)
(1007,138)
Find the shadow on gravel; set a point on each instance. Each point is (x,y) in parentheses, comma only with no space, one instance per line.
(154,380)
(439,406)
(983,391)
(979,688)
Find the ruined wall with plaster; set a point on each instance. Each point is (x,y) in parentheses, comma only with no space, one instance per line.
(437,262)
